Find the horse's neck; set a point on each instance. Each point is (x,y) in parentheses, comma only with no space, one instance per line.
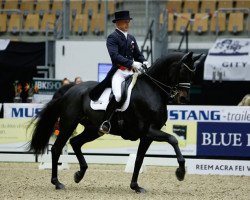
(151,89)
(160,72)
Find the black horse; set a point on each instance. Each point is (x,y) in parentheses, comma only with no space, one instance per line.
(168,78)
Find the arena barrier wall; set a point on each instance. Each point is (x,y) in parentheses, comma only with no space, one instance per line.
(210,132)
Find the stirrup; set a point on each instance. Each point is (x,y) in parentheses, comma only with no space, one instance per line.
(105,128)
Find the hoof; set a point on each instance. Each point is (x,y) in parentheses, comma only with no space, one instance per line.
(137,189)
(140,190)
(180,173)
(78,176)
(60,186)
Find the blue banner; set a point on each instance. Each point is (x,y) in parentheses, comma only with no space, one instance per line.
(223,139)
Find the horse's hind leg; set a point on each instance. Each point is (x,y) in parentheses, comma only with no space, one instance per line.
(161,136)
(88,135)
(56,151)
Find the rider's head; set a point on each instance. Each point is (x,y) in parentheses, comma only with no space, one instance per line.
(123,25)
(122,19)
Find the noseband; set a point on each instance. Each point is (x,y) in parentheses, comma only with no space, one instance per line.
(173,90)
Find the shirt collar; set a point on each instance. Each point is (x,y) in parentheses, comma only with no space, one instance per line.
(124,33)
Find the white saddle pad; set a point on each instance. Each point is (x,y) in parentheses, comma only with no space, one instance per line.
(102,102)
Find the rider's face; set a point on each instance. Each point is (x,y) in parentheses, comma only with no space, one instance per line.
(123,25)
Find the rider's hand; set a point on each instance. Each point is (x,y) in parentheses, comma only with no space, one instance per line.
(146,63)
(137,66)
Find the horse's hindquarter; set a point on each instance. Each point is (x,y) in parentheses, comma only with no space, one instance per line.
(75,98)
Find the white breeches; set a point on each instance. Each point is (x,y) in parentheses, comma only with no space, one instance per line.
(117,80)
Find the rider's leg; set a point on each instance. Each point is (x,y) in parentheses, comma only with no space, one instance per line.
(117,79)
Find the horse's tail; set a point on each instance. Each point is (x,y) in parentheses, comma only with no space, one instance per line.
(44,126)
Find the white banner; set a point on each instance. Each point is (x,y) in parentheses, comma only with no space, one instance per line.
(209,113)
(42,98)
(21,110)
(228,60)
(220,167)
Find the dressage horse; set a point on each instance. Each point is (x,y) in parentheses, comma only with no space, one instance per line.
(168,78)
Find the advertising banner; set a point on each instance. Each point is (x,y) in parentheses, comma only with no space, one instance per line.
(223,139)
(221,130)
(200,130)
(229,60)
(21,110)
(14,135)
(220,167)
(209,113)
(47,85)
(185,133)
(46,88)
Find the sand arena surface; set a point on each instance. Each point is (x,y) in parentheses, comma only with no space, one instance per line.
(110,182)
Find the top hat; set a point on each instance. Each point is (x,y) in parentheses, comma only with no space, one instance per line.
(121,15)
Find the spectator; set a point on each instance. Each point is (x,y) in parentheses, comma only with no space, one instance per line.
(66,84)
(245,101)
(65,81)
(78,80)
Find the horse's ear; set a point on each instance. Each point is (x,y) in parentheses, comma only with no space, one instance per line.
(187,56)
(195,58)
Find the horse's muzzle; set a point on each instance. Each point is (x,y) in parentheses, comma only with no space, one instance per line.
(183,97)
(184,100)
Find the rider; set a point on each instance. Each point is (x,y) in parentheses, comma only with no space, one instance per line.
(126,59)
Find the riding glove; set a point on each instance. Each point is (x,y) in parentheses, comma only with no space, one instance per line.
(146,63)
(137,66)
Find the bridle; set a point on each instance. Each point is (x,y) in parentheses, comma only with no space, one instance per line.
(173,90)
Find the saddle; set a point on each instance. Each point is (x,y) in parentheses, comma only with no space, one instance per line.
(127,86)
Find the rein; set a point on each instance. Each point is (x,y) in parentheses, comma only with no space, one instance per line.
(173,90)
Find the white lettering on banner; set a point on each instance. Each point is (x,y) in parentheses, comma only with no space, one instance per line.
(220,167)
(248,139)
(45,85)
(221,139)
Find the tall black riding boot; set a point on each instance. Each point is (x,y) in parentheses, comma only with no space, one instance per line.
(106,126)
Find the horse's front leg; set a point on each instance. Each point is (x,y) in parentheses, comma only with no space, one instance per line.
(161,136)
(142,149)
